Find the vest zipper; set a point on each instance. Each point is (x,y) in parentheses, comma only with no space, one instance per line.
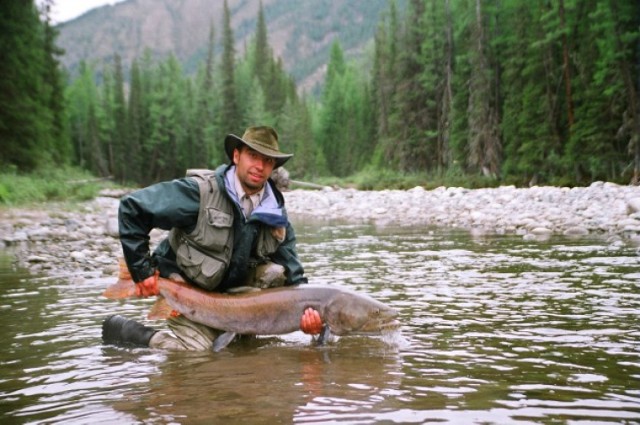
(186,242)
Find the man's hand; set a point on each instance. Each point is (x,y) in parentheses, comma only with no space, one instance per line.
(311,323)
(149,286)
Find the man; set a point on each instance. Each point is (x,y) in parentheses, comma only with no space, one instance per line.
(228,230)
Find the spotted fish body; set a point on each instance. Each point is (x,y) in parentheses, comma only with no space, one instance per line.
(278,310)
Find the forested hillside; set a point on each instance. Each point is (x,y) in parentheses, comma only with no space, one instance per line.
(300,32)
(477,92)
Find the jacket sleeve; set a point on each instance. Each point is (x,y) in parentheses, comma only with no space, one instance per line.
(287,256)
(163,205)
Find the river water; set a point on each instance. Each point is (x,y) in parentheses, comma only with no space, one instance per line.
(495,330)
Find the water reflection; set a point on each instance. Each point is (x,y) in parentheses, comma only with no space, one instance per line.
(260,384)
(498,330)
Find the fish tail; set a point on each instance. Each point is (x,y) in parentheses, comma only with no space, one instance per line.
(125,287)
(123,270)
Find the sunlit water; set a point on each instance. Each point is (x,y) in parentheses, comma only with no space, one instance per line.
(495,330)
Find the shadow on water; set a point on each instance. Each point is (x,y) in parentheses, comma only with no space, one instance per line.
(272,383)
(497,330)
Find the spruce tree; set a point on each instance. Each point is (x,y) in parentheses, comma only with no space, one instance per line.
(408,121)
(120,141)
(135,125)
(383,83)
(484,138)
(204,153)
(26,120)
(61,149)
(261,53)
(230,114)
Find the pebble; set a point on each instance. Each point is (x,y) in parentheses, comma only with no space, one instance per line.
(56,239)
(601,208)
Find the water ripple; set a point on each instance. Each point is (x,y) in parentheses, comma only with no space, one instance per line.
(494,330)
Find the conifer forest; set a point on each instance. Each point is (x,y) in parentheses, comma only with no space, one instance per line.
(520,92)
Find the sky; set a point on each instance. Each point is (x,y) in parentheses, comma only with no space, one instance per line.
(65,10)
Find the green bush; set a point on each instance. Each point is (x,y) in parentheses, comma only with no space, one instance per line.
(46,185)
(380,179)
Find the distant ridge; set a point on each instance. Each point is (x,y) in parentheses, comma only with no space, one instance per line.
(300,32)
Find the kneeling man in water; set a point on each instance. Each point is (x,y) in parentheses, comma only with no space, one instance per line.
(228,228)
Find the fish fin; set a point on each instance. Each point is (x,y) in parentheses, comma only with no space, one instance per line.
(160,310)
(324,335)
(222,341)
(123,288)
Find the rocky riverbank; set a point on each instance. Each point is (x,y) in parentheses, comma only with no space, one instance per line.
(602,208)
(65,240)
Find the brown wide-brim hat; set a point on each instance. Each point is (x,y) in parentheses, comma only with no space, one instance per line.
(262,139)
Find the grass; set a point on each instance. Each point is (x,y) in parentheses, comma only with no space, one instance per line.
(381,179)
(47,185)
(71,184)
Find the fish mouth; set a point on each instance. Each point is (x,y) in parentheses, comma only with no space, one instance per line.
(379,327)
(391,325)
(386,322)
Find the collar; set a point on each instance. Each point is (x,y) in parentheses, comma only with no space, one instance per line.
(269,211)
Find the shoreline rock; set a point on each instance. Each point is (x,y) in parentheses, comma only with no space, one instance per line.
(79,240)
(602,208)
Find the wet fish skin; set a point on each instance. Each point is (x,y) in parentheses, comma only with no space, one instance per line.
(269,311)
(278,310)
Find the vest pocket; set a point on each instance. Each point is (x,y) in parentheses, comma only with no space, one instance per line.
(204,270)
(218,218)
(267,241)
(216,231)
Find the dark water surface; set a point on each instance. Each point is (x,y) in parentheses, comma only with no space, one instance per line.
(495,330)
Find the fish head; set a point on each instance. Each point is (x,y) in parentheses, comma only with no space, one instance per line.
(352,313)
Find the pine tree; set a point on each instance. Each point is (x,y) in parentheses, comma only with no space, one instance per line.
(408,122)
(230,114)
(436,54)
(136,120)
(383,82)
(106,121)
(262,56)
(120,141)
(26,120)
(296,133)
(484,138)
(530,79)
(204,125)
(346,123)
(61,149)
(166,144)
(82,100)
(605,94)
(332,140)
(276,89)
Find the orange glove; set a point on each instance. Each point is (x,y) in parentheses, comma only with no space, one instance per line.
(311,323)
(149,286)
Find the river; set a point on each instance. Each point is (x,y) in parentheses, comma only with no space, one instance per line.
(495,330)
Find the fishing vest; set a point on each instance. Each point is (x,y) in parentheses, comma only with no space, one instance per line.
(204,254)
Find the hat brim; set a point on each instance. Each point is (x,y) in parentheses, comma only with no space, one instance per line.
(232,142)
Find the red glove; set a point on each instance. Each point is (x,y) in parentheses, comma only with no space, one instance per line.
(310,323)
(149,286)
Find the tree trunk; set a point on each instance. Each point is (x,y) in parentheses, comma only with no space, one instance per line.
(567,71)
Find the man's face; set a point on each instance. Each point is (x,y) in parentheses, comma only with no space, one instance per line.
(252,168)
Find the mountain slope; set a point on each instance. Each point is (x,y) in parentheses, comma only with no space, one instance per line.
(300,32)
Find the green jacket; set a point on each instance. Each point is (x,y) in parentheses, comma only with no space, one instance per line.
(176,204)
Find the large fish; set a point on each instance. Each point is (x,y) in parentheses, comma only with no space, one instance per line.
(271,311)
